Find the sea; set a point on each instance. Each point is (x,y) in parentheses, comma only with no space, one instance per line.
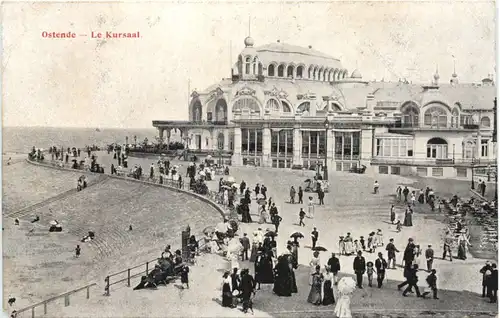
(22,139)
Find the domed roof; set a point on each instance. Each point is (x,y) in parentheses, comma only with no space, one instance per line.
(356,74)
(249,41)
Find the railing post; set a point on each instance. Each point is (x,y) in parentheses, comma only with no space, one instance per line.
(66,301)
(44,308)
(32,312)
(106,287)
(88,292)
(128,277)
(147,267)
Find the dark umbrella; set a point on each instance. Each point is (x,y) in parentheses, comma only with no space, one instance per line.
(271,234)
(320,249)
(297,235)
(308,180)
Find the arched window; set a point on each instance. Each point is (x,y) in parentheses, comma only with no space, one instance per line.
(247,65)
(286,107)
(270,70)
(330,76)
(310,73)
(281,70)
(240,65)
(469,149)
(320,74)
(336,107)
(305,106)
(315,73)
(273,105)
(221,111)
(255,65)
(196,112)
(289,71)
(246,103)
(437,148)
(436,117)
(410,115)
(455,118)
(485,122)
(220,141)
(300,71)
(325,74)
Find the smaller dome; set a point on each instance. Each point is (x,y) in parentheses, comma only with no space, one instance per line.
(356,74)
(436,76)
(454,75)
(249,41)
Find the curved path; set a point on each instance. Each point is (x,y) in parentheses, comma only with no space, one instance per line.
(32,255)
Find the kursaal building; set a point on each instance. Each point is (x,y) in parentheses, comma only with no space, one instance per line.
(287,106)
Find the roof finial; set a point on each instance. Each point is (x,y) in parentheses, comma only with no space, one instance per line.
(249,28)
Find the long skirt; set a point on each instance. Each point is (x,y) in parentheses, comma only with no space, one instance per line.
(315,295)
(343,307)
(462,254)
(253,253)
(294,282)
(227,297)
(393,216)
(328,297)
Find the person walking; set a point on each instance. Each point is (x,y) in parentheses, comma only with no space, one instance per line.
(77,251)
(448,241)
(432,283)
(486,271)
(429,256)
(310,208)
(292,195)
(245,242)
(381,266)
(412,281)
(302,215)
(359,266)
(393,214)
(276,220)
(334,266)
(314,237)
(493,283)
(405,193)
(300,194)
(375,187)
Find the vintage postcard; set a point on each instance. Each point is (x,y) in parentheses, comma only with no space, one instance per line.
(260,159)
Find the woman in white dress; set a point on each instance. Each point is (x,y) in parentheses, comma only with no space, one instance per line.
(418,257)
(345,287)
(226,197)
(310,208)
(315,261)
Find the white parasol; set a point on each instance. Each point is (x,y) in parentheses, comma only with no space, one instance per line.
(346,285)
(234,246)
(230,179)
(202,173)
(235,186)
(191,164)
(53,222)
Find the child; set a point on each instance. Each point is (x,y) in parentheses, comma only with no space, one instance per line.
(362,242)
(370,242)
(438,204)
(184,276)
(302,215)
(369,272)
(77,251)
(341,245)
(398,226)
(380,238)
(356,246)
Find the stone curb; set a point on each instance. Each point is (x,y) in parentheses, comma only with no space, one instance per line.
(195,195)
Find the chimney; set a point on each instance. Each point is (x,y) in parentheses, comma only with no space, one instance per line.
(370,102)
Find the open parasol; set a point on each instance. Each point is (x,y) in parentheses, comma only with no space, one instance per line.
(271,234)
(319,249)
(230,179)
(297,235)
(346,285)
(209,157)
(53,222)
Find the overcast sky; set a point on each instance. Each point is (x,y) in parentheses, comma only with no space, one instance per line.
(86,82)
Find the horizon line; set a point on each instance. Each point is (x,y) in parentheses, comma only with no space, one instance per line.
(79,127)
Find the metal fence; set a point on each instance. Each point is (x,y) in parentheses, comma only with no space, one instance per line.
(45,303)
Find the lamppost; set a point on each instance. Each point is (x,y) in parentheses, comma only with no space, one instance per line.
(453,153)
(325,170)
(472,179)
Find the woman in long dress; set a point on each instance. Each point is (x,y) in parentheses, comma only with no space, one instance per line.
(463,243)
(343,307)
(328,298)
(393,214)
(255,244)
(263,214)
(310,208)
(292,265)
(227,296)
(282,278)
(348,245)
(408,217)
(315,261)
(315,293)
(417,259)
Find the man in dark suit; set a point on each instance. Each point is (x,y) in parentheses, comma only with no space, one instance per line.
(412,281)
(432,282)
(381,266)
(314,237)
(409,253)
(493,284)
(359,266)
(245,242)
(334,265)
(484,270)
(429,256)
(391,253)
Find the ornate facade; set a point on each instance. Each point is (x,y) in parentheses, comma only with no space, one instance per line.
(287,106)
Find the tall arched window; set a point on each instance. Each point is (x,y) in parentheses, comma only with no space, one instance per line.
(310,73)
(270,70)
(286,107)
(246,103)
(330,76)
(469,149)
(485,122)
(455,118)
(196,111)
(300,71)
(436,117)
(247,65)
(325,75)
(281,70)
(315,73)
(273,105)
(437,148)
(255,65)
(320,74)
(220,141)
(305,106)
(221,111)
(289,71)
(410,115)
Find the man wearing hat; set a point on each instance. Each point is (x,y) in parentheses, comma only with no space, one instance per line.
(485,271)
(432,282)
(429,256)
